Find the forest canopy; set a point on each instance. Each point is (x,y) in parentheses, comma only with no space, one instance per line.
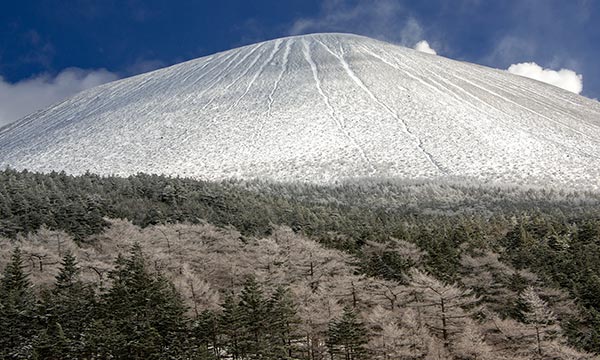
(353,270)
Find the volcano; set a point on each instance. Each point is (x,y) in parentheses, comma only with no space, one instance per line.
(318,108)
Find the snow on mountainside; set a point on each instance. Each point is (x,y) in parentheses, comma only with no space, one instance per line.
(320,108)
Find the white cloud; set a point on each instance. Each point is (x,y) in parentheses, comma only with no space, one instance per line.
(563,78)
(26,96)
(423,46)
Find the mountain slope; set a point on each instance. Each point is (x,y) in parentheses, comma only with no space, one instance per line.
(318,108)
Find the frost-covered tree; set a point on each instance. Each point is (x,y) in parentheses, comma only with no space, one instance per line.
(385,333)
(198,292)
(489,278)
(540,319)
(316,311)
(416,340)
(444,307)
(471,344)
(509,335)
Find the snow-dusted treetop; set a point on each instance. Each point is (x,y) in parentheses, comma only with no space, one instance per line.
(320,108)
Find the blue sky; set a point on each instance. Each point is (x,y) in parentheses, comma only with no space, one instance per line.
(50,49)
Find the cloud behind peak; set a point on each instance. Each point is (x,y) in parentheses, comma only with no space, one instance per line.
(29,95)
(563,78)
(423,46)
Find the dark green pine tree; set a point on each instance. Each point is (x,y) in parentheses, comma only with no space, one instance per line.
(347,337)
(253,309)
(206,332)
(143,315)
(283,325)
(18,319)
(231,327)
(68,315)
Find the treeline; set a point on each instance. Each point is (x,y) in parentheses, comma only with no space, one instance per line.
(555,234)
(362,210)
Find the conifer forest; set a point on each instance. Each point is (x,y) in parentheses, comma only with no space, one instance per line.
(154,267)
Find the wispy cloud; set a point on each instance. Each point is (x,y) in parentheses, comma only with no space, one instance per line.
(26,96)
(511,49)
(412,31)
(384,19)
(141,66)
(41,51)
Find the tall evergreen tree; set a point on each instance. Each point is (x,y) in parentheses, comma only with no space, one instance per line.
(347,337)
(206,332)
(18,319)
(143,314)
(69,313)
(231,327)
(283,324)
(254,319)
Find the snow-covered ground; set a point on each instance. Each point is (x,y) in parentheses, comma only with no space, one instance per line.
(319,108)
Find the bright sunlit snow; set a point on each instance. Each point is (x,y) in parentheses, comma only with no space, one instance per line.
(318,108)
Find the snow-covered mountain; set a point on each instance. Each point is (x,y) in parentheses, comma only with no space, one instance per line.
(320,108)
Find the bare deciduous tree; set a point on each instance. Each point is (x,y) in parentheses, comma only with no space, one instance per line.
(443,306)
(540,318)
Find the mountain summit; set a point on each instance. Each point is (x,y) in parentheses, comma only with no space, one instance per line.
(320,108)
